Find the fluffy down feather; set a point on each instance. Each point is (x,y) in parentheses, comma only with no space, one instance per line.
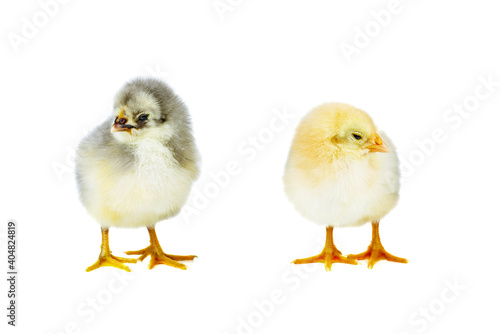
(330,178)
(139,178)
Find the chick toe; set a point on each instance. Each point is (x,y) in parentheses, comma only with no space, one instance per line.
(144,253)
(157,258)
(328,258)
(110,260)
(373,255)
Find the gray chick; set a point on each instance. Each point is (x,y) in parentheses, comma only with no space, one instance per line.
(137,168)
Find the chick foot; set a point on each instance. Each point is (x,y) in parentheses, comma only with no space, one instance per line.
(376,251)
(109,260)
(158,256)
(106,259)
(329,255)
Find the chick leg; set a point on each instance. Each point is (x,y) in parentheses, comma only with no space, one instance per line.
(376,251)
(329,255)
(158,256)
(106,259)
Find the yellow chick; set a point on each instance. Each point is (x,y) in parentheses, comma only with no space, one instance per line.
(340,172)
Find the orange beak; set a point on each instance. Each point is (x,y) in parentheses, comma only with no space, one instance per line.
(377,145)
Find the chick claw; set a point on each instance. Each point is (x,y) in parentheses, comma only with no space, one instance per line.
(327,257)
(159,257)
(109,260)
(375,253)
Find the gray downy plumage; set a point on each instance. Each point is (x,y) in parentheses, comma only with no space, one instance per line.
(101,146)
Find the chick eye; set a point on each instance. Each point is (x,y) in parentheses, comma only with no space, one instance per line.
(143,118)
(356,136)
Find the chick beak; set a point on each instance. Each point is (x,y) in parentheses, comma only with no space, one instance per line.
(120,124)
(377,145)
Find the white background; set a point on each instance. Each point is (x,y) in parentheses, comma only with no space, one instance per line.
(233,72)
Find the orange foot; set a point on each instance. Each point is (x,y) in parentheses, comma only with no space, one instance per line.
(158,256)
(329,255)
(106,259)
(109,260)
(376,251)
